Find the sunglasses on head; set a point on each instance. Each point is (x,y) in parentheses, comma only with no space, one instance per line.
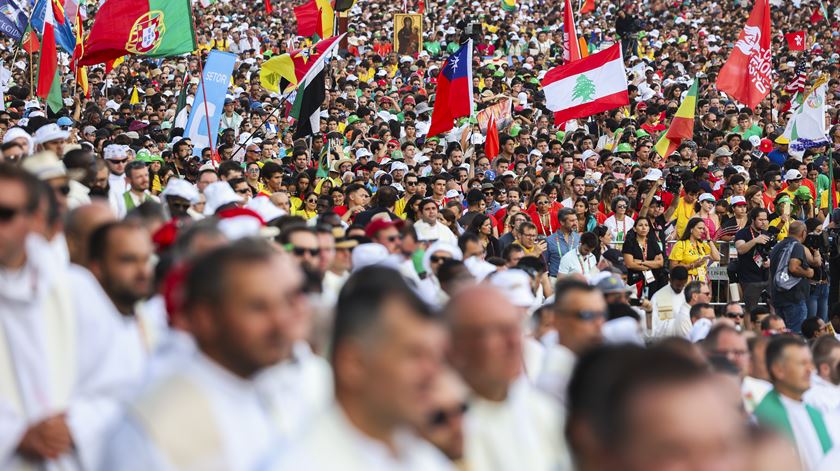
(442,416)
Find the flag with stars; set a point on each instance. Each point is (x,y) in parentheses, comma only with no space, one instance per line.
(454,94)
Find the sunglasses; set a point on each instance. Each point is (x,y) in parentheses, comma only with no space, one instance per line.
(589,316)
(438,259)
(301,251)
(733,315)
(442,416)
(7,214)
(118,162)
(180,206)
(410,183)
(312,201)
(63,189)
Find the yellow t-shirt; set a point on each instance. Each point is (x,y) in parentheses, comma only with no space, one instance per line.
(824,199)
(685,252)
(682,214)
(783,227)
(400,208)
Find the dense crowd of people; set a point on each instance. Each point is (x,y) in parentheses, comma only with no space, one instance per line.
(371,297)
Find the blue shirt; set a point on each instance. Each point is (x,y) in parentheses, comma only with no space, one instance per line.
(777,157)
(556,247)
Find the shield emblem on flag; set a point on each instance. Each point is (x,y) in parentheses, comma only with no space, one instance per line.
(146,34)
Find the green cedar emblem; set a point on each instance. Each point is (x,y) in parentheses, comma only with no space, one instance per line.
(584,89)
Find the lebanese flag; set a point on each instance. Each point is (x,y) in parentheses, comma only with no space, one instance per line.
(591,85)
(796,40)
(491,143)
(48,62)
(571,47)
(746,76)
(454,93)
(588,7)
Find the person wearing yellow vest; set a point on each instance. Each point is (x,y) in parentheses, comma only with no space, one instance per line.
(137,176)
(682,208)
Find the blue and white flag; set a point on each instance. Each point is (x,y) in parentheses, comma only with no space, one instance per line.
(217,74)
(13,19)
(65,38)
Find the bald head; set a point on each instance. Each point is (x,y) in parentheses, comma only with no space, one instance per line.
(797,230)
(486,340)
(80,224)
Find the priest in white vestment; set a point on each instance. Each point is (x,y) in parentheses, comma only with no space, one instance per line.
(211,412)
(387,352)
(509,424)
(61,357)
(667,304)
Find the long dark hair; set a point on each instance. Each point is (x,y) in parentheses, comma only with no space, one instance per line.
(477,222)
(688,227)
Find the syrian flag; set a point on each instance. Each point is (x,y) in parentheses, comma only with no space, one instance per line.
(591,85)
(571,46)
(310,96)
(48,64)
(796,40)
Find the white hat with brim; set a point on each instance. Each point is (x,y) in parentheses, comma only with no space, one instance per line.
(515,285)
(263,206)
(181,189)
(45,166)
(219,194)
(49,132)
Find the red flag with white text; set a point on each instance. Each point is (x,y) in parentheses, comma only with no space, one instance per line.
(747,74)
(571,47)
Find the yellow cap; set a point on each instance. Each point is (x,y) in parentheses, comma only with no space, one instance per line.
(782,140)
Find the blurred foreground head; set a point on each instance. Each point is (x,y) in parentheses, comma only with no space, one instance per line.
(638,409)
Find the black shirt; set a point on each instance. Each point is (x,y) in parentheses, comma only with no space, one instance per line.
(631,246)
(802,289)
(748,270)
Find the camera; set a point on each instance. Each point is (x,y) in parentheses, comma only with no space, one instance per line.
(675,178)
(773,236)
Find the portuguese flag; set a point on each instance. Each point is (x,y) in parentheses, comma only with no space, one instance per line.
(682,126)
(154,28)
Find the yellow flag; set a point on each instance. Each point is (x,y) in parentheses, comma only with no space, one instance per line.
(135,96)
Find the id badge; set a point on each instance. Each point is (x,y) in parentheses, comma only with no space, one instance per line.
(649,278)
(758,260)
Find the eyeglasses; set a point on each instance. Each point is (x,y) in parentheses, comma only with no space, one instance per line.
(442,416)
(7,214)
(541,203)
(733,315)
(589,316)
(301,251)
(438,258)
(621,206)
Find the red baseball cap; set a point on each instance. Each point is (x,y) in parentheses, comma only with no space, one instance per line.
(377,225)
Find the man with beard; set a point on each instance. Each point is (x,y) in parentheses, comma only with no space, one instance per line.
(119,256)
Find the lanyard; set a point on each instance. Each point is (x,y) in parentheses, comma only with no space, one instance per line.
(550,229)
(583,269)
(645,251)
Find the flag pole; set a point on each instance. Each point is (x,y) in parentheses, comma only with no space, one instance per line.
(203,88)
(283,101)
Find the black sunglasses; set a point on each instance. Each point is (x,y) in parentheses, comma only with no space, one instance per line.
(7,214)
(442,416)
(733,315)
(590,315)
(63,189)
(301,251)
(437,259)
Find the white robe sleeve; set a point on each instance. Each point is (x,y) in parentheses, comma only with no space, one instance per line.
(127,449)
(109,368)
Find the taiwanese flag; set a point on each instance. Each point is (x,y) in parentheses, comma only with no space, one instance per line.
(153,28)
(454,94)
(796,40)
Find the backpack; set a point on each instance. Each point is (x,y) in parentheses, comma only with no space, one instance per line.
(782,279)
